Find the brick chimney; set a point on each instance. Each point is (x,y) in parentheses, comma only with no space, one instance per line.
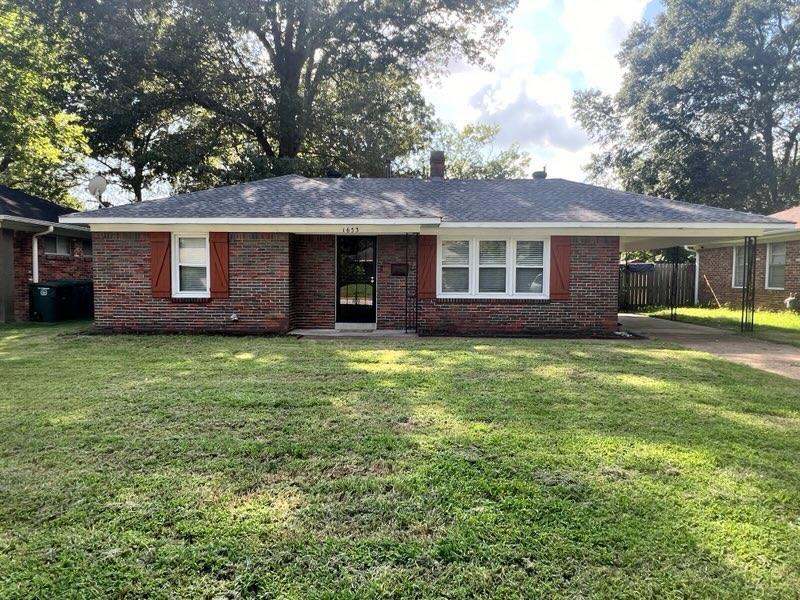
(437,164)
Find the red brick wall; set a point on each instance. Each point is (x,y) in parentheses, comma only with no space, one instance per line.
(51,267)
(259,288)
(280,281)
(313,281)
(716,264)
(392,289)
(313,269)
(591,309)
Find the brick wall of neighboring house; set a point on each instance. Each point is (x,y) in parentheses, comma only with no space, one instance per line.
(51,267)
(591,308)
(393,310)
(716,264)
(258,280)
(313,281)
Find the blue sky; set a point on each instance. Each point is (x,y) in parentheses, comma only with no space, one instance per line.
(553,47)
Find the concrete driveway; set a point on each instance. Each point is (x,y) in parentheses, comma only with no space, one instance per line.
(767,356)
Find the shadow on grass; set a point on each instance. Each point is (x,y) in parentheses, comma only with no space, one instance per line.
(205,466)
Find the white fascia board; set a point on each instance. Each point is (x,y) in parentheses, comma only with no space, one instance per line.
(781,226)
(77,218)
(349,229)
(767,238)
(44,224)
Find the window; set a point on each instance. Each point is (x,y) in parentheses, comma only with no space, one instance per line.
(190,272)
(529,267)
(58,245)
(493,268)
(455,266)
(86,247)
(737,280)
(776,266)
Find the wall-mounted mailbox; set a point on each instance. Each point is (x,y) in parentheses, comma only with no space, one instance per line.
(399,269)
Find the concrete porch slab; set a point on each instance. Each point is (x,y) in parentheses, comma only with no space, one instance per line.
(351,333)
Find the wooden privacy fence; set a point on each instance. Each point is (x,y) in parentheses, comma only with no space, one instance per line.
(652,287)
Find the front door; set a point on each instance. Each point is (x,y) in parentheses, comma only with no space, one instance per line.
(355,289)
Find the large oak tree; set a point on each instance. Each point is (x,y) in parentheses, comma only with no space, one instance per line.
(710,106)
(204,92)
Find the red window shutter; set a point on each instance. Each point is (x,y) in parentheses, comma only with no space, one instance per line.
(426,267)
(219,264)
(560,255)
(160,266)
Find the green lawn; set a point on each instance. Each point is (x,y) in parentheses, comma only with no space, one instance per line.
(222,467)
(775,326)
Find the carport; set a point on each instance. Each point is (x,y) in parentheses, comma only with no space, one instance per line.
(672,239)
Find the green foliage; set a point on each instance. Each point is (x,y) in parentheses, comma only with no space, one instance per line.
(41,144)
(470,154)
(230,467)
(201,93)
(708,111)
(661,255)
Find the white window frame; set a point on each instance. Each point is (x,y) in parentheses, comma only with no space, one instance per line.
(736,250)
(176,281)
(769,266)
(55,238)
(511,266)
(488,266)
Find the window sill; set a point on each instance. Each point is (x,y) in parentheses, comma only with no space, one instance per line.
(485,300)
(190,300)
(775,289)
(59,256)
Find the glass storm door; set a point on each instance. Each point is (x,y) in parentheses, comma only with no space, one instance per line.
(355,289)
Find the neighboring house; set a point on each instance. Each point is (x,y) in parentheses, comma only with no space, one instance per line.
(721,267)
(512,257)
(34,246)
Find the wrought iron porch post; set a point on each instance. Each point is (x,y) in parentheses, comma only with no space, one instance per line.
(673,283)
(749,285)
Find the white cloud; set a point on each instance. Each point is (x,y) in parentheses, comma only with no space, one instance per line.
(595,31)
(550,50)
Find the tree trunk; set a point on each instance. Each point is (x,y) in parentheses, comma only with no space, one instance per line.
(5,163)
(290,107)
(137,182)
(769,155)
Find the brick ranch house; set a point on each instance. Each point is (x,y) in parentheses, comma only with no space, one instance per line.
(34,246)
(777,274)
(436,256)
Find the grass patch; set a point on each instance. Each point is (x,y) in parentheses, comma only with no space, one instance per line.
(774,326)
(219,467)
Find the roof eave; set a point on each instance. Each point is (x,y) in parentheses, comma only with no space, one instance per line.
(38,224)
(78,218)
(773,226)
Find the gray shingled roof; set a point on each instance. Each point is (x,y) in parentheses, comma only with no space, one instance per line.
(16,203)
(505,200)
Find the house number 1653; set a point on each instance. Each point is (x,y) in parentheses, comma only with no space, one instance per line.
(350,229)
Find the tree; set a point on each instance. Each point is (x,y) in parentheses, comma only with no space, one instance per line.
(364,123)
(41,144)
(709,110)
(264,64)
(470,153)
(269,87)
